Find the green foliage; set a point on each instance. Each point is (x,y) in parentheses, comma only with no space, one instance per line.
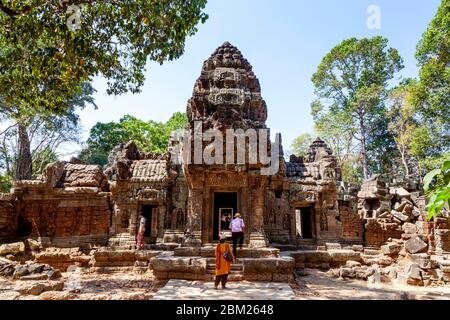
(381,147)
(432,94)
(351,83)
(150,136)
(42,135)
(337,129)
(46,135)
(351,171)
(6,183)
(437,187)
(41,158)
(44,63)
(301,144)
(355,68)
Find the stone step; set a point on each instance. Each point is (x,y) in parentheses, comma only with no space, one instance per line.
(284,247)
(209,252)
(238,261)
(214,244)
(162,246)
(333,246)
(231,277)
(306,242)
(307,247)
(371,252)
(213,271)
(234,267)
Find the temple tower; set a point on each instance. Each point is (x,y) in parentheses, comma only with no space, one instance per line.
(226,112)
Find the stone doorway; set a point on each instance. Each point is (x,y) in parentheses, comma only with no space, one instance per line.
(147,212)
(305,222)
(225,206)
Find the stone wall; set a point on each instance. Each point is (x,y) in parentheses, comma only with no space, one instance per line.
(278,219)
(138,179)
(352,225)
(8,217)
(67,206)
(441,239)
(378,231)
(386,207)
(74,220)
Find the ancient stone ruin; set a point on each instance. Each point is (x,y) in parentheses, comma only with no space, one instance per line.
(302,215)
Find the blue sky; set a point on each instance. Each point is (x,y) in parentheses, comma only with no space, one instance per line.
(283,40)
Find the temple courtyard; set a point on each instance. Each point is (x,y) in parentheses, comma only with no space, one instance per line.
(310,284)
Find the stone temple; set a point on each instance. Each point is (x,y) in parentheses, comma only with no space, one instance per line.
(301,207)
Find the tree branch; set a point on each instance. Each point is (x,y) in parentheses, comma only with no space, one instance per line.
(12,13)
(7,129)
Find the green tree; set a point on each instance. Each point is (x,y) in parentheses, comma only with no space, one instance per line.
(150,136)
(46,136)
(353,78)
(6,183)
(432,94)
(301,144)
(338,130)
(28,134)
(44,63)
(402,123)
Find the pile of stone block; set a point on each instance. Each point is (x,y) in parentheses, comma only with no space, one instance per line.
(416,258)
(27,271)
(387,208)
(377,199)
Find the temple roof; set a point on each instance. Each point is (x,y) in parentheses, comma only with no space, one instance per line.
(149,171)
(227,56)
(294,169)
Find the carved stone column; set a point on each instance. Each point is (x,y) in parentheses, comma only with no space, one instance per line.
(161,214)
(194,218)
(257,236)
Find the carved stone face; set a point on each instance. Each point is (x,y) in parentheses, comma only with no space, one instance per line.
(226,78)
(227,82)
(224,96)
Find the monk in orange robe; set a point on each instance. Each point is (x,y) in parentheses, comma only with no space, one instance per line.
(223,266)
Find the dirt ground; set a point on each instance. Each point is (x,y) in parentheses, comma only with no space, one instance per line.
(317,285)
(312,285)
(89,286)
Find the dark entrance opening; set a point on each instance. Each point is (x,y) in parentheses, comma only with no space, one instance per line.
(147,213)
(305,222)
(225,206)
(24,227)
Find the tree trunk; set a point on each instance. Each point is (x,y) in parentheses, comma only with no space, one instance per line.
(24,162)
(405,164)
(363,145)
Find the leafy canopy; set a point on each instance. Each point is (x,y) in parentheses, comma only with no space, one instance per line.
(433,54)
(149,136)
(43,64)
(301,144)
(352,82)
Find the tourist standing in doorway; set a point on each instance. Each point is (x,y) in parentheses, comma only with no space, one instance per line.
(223,262)
(141,232)
(237,232)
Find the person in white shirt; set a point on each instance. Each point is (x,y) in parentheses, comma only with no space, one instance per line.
(237,226)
